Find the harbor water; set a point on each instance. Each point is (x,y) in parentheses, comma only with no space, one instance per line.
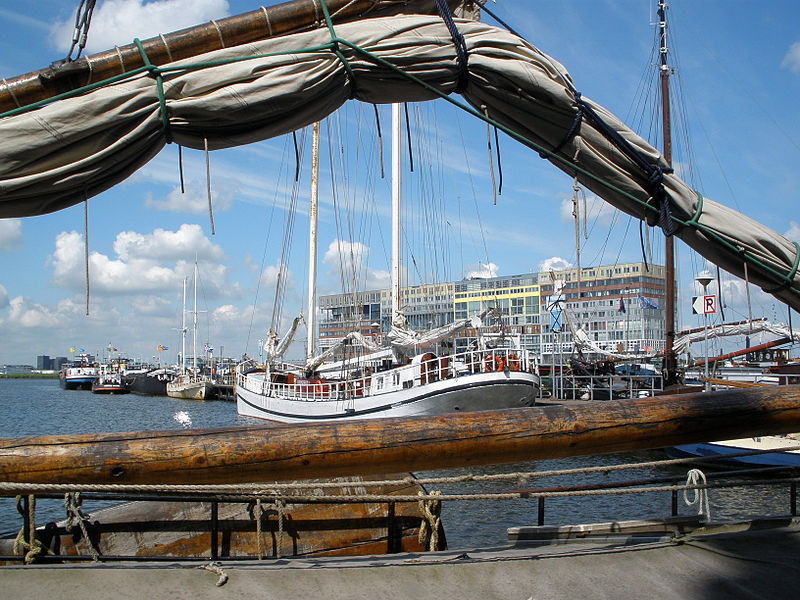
(32,407)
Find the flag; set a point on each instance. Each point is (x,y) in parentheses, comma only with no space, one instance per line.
(621,306)
(81,350)
(208,348)
(646,302)
(162,348)
(72,350)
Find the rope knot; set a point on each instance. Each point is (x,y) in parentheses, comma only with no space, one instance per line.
(431,510)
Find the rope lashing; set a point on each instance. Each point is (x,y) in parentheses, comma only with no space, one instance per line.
(655,172)
(431,511)
(335,48)
(32,547)
(700,499)
(72,504)
(462,55)
(156,73)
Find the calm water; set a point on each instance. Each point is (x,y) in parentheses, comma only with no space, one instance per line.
(41,407)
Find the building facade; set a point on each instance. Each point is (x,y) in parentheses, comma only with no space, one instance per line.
(620,307)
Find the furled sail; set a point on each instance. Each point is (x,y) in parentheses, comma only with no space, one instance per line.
(275,348)
(682,342)
(79,146)
(354,338)
(405,340)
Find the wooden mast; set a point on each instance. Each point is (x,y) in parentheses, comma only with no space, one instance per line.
(670,362)
(281,19)
(332,449)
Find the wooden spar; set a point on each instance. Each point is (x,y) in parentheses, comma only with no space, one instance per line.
(281,19)
(290,452)
(749,349)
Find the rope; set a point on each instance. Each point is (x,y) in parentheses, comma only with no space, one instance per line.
(431,511)
(31,547)
(86,247)
(11,93)
(208,184)
(280,506)
(72,504)
(700,499)
(462,55)
(216,567)
(156,73)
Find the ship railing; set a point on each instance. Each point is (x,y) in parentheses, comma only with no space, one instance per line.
(567,386)
(437,368)
(525,490)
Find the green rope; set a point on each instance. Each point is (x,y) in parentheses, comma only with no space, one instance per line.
(337,52)
(157,74)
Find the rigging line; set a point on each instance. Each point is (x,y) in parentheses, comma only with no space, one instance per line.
(180,167)
(472,186)
(499,164)
(282,165)
(86,244)
(482,5)
(296,157)
(83,19)
(489,146)
(208,184)
(408,138)
(719,291)
(380,138)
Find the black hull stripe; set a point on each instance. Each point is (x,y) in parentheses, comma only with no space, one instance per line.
(378,409)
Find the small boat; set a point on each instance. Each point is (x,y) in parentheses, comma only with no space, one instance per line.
(78,375)
(190,385)
(109,383)
(786,451)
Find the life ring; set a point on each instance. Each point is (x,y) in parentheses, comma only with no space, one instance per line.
(493,363)
(513,362)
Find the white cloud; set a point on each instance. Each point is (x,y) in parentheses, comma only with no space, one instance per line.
(3,297)
(118,22)
(10,235)
(555,263)
(792,58)
(188,241)
(793,233)
(144,263)
(347,262)
(481,271)
(194,201)
(26,314)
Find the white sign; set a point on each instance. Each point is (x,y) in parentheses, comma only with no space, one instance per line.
(704,305)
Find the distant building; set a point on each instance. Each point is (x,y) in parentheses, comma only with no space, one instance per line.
(44,363)
(15,369)
(527,306)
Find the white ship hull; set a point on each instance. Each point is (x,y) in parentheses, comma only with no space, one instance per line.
(188,390)
(466,393)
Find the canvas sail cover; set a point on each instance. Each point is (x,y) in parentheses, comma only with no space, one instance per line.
(75,148)
(682,342)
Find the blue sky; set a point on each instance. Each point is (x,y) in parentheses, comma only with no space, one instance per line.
(738,71)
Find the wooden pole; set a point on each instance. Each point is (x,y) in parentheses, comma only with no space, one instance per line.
(281,19)
(289,452)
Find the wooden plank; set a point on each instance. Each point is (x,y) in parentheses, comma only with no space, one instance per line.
(288,452)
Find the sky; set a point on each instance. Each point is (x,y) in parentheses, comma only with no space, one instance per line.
(736,137)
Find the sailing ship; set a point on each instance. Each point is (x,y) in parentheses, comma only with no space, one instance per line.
(189,385)
(402,378)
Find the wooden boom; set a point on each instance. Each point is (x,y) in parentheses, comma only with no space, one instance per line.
(289,452)
(263,23)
